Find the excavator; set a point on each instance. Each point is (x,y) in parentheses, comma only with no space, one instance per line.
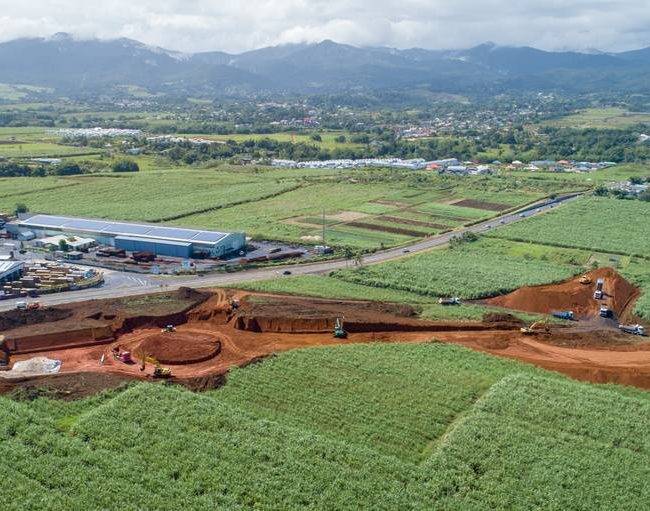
(537,327)
(339,331)
(158,370)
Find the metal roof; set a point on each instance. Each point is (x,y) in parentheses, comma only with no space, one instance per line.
(158,241)
(7,267)
(110,228)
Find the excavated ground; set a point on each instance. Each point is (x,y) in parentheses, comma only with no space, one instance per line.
(619,296)
(212,336)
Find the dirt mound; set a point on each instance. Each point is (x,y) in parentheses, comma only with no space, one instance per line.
(180,347)
(574,296)
(502,318)
(17,318)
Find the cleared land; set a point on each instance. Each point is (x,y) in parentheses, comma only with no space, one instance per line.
(373,426)
(601,118)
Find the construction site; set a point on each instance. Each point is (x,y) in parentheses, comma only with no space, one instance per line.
(194,337)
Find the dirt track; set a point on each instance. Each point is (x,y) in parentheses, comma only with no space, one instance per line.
(212,336)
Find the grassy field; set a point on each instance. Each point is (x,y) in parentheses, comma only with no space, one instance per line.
(591,223)
(473,270)
(601,118)
(328,138)
(360,426)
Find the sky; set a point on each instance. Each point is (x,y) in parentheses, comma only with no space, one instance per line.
(240,25)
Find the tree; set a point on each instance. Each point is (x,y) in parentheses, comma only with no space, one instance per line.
(316,137)
(125,166)
(21,207)
(340,139)
(63,245)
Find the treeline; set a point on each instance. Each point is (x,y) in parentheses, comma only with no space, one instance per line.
(68,169)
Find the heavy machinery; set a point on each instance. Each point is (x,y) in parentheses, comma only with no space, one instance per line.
(536,328)
(632,329)
(158,370)
(605,312)
(122,355)
(563,315)
(449,301)
(598,293)
(585,279)
(339,331)
(168,329)
(31,306)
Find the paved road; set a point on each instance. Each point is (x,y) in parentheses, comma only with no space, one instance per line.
(151,284)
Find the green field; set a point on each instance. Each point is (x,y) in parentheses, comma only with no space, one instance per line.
(591,223)
(427,426)
(601,118)
(473,270)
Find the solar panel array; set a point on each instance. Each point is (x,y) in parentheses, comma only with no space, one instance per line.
(124,229)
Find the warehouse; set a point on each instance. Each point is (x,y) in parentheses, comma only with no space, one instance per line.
(161,240)
(10,270)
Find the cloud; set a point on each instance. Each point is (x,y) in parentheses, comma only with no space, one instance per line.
(230,25)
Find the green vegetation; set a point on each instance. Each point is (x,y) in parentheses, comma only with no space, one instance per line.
(592,223)
(471,270)
(601,118)
(360,426)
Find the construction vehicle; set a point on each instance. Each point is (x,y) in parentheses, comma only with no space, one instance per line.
(158,370)
(598,293)
(632,329)
(605,312)
(234,303)
(536,328)
(563,315)
(24,306)
(168,329)
(122,355)
(585,279)
(449,301)
(339,331)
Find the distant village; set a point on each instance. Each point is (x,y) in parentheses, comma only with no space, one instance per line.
(448,165)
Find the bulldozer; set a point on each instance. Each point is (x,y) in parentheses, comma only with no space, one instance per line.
(536,328)
(339,331)
(585,279)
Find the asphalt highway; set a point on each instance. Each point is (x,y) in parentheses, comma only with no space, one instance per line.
(162,283)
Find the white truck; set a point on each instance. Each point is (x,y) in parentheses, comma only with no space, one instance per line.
(633,329)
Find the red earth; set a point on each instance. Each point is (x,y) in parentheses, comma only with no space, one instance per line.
(213,336)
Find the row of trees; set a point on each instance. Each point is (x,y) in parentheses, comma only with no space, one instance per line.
(68,169)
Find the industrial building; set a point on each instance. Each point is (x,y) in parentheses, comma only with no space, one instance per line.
(161,240)
(10,270)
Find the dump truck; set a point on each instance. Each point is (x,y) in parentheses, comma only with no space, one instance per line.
(536,328)
(339,331)
(449,301)
(585,279)
(598,293)
(605,312)
(122,355)
(563,314)
(632,329)
(31,306)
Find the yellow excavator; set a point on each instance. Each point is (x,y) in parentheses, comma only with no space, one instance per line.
(537,327)
(158,370)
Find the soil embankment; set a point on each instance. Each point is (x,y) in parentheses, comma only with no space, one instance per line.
(572,295)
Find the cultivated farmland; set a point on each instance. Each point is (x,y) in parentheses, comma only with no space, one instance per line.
(371,426)
(473,270)
(592,223)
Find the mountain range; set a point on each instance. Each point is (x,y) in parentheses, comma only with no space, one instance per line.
(72,66)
